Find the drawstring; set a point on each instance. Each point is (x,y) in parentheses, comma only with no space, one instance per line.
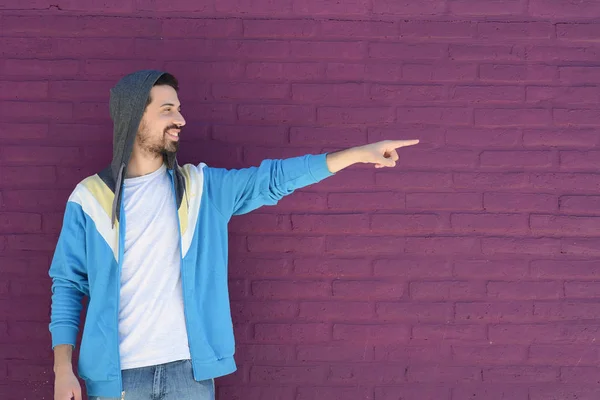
(117,194)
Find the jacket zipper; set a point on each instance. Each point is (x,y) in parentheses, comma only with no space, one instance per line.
(120,265)
(123,395)
(183,280)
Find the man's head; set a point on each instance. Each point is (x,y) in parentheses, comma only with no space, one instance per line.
(158,133)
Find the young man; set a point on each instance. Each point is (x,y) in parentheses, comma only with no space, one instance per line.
(146,241)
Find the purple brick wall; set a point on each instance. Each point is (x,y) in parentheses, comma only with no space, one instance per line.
(470,271)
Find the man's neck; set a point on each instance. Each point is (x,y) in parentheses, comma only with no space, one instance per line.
(140,165)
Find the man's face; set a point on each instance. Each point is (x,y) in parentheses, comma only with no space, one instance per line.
(161,123)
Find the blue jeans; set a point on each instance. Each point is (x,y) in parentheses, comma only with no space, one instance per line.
(171,381)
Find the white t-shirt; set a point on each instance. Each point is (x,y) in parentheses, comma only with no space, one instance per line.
(152,326)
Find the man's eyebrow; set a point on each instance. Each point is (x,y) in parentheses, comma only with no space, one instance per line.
(168,104)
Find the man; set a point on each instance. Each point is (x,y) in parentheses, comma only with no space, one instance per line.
(146,241)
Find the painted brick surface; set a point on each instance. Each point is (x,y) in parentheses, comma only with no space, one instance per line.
(470,271)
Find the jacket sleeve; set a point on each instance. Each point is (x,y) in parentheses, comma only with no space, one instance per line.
(69,277)
(236,192)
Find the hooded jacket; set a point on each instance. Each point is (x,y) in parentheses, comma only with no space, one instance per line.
(88,256)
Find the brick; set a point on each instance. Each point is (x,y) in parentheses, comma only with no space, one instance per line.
(365,201)
(334,393)
(484,180)
(564,269)
(420,391)
(371,290)
(352,180)
(490,391)
(40,155)
(490,269)
(563,95)
(238,289)
(579,75)
(287,374)
(490,8)
(389,333)
(489,354)
(30,5)
(255,392)
(413,268)
(448,290)
(582,289)
(327,136)
(280,28)
(437,29)
(463,52)
(259,311)
(513,117)
(35,111)
(410,224)
(579,374)
(381,71)
(406,93)
(289,333)
(331,7)
(23,131)
(336,353)
(289,289)
(342,311)
(414,180)
(28,331)
(489,223)
(27,177)
(245,267)
(328,93)
(358,29)
(303,201)
(249,134)
(10,90)
(566,354)
(284,71)
(560,9)
(488,94)
(520,374)
(578,183)
(112,6)
(564,225)
(373,374)
(443,201)
(577,32)
(285,244)
(414,354)
(520,202)
(408,51)
(33,308)
(525,290)
(515,30)
(213,70)
(201,27)
(426,7)
(332,267)
(112,48)
(256,353)
(564,392)
(517,73)
(561,54)
(80,90)
(428,136)
(345,71)
(551,333)
(443,373)
(440,72)
(16,222)
(580,204)
(560,138)
(520,246)
(575,117)
(518,159)
(359,245)
(258,7)
(415,312)
(435,115)
(568,310)
(443,245)
(328,50)
(36,265)
(349,115)
(245,91)
(494,312)
(267,223)
(276,113)
(24,47)
(488,138)
(578,160)
(582,246)
(29,371)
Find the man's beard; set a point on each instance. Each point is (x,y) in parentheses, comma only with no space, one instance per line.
(160,148)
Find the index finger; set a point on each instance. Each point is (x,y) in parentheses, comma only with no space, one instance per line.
(403,143)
